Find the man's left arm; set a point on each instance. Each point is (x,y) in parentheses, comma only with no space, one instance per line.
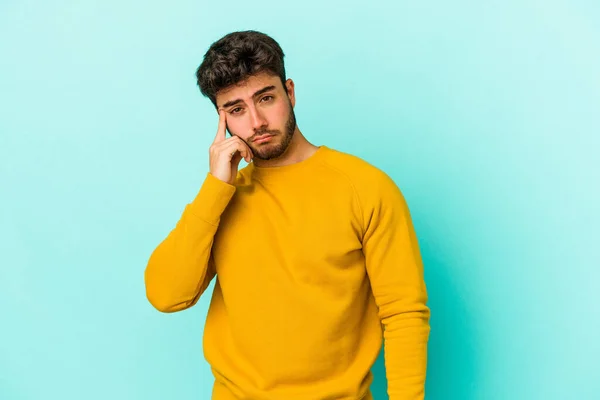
(395,270)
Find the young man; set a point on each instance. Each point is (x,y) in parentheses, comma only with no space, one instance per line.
(314,252)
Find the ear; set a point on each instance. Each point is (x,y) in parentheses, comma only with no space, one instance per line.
(289,87)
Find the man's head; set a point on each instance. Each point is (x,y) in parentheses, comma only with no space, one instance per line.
(243,73)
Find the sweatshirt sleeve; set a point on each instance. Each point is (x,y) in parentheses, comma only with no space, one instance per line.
(395,270)
(181,267)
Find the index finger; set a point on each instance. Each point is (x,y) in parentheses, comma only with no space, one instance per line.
(222,129)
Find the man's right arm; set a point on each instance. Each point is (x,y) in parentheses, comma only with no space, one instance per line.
(181,267)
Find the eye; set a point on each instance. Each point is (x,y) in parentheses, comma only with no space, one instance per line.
(267,97)
(234,110)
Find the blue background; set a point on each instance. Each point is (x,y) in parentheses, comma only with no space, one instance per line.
(486,115)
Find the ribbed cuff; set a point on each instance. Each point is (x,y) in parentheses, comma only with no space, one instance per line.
(212,199)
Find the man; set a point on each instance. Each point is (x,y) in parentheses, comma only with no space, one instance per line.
(314,252)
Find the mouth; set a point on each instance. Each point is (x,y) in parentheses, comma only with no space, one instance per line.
(262,138)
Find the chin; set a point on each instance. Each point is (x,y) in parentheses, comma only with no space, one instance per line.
(269,153)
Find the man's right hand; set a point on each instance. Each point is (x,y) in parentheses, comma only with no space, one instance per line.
(225,154)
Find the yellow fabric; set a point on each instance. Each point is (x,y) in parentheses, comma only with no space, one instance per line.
(316,263)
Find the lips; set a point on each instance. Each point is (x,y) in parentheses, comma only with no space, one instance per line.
(262,138)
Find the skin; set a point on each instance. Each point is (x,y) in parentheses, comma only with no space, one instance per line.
(269,112)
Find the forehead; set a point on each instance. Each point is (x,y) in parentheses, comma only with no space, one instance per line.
(246,88)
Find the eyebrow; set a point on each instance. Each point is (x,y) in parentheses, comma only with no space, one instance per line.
(257,93)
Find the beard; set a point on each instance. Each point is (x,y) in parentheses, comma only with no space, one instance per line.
(280,141)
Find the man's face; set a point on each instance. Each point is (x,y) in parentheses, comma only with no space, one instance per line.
(261,106)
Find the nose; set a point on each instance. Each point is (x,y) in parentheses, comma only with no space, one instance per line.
(257,120)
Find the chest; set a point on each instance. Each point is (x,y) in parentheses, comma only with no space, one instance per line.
(310,237)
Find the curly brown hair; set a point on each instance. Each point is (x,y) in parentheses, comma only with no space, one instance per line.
(237,56)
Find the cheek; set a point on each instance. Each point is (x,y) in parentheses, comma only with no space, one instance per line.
(239,127)
(280,114)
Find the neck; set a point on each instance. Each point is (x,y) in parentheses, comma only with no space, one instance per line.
(298,150)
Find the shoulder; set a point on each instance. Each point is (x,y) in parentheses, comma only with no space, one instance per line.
(378,196)
(370,182)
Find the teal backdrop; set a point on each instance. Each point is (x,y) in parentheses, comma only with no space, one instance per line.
(485,113)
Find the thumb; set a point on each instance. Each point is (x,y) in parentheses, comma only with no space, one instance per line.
(235,162)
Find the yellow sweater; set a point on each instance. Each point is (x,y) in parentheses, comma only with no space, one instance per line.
(316,264)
